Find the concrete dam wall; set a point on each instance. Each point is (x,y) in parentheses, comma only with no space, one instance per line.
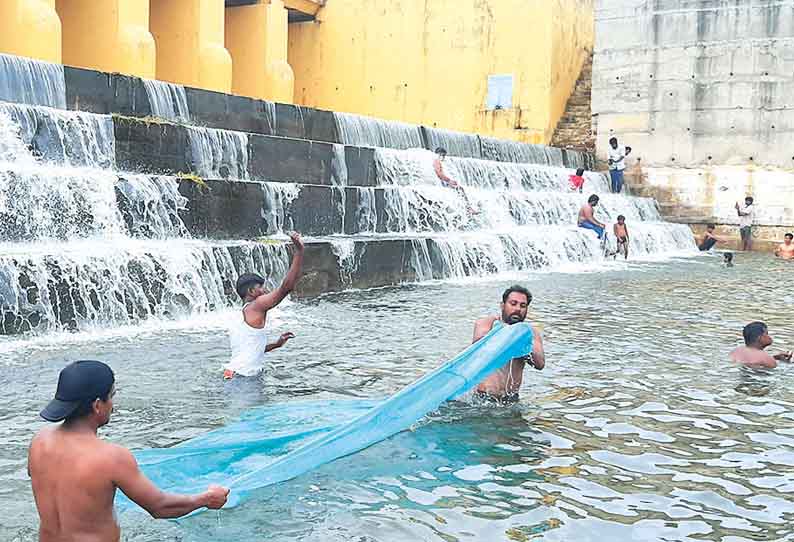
(124,199)
(703,91)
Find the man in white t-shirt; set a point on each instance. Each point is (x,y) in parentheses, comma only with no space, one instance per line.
(617,163)
(746,217)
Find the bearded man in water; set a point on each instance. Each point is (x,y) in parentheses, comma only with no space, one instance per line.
(503,384)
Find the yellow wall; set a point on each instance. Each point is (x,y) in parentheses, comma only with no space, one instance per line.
(111,35)
(428,62)
(189,35)
(256,38)
(30,28)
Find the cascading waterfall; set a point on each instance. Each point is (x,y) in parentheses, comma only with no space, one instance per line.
(218,154)
(98,284)
(33,82)
(83,245)
(366,212)
(63,137)
(458,144)
(167,100)
(275,211)
(150,205)
(371,132)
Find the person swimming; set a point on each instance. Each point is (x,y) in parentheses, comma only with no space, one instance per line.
(727,259)
(502,386)
(752,354)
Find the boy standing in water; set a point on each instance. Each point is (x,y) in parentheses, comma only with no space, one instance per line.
(248,335)
(622,236)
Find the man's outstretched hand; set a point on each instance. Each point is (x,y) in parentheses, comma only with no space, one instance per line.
(297,242)
(282,340)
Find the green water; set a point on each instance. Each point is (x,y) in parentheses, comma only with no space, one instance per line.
(638,429)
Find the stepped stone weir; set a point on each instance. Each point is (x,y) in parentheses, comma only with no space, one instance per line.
(148,200)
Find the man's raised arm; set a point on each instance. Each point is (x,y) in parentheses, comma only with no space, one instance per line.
(270,300)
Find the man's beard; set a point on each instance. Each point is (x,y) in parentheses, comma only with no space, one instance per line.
(512,318)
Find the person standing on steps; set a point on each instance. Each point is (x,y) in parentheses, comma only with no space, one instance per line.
(587,219)
(75,474)
(617,163)
(746,218)
(446,180)
(248,335)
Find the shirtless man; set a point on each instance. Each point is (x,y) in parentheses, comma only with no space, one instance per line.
(785,250)
(504,383)
(756,339)
(587,218)
(75,474)
(446,180)
(248,335)
(709,239)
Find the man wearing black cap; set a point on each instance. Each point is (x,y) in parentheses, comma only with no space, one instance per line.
(75,474)
(247,335)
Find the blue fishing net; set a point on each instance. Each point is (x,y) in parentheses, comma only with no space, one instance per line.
(273,444)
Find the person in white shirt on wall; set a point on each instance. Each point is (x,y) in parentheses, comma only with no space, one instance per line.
(617,163)
(746,217)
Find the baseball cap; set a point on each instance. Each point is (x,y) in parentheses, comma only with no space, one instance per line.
(79,383)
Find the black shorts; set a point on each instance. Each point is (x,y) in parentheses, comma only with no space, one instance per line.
(496,399)
(746,232)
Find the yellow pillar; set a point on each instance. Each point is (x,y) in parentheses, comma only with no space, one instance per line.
(111,36)
(256,37)
(30,28)
(189,38)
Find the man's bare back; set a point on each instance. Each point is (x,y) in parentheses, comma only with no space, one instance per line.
(75,474)
(752,357)
(60,463)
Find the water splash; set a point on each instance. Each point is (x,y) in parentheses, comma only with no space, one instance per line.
(63,137)
(82,285)
(366,211)
(32,82)
(40,200)
(345,252)
(167,100)
(150,205)
(275,210)
(218,154)
(371,132)
(458,144)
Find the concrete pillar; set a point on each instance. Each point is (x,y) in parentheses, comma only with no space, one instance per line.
(111,35)
(189,38)
(30,28)
(256,37)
